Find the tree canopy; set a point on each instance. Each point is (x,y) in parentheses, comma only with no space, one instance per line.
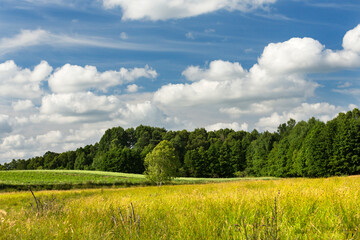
(161,163)
(297,149)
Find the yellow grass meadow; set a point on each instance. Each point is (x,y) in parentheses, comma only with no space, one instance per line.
(327,208)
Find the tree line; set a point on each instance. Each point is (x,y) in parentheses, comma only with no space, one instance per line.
(305,149)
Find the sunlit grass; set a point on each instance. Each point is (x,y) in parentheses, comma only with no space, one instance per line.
(302,208)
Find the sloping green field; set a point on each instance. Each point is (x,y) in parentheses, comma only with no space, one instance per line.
(69,179)
(65,179)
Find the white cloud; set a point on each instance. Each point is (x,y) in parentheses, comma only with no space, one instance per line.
(22,105)
(296,55)
(71,108)
(20,121)
(218,70)
(16,146)
(216,85)
(279,74)
(173,9)
(235,126)
(349,91)
(322,111)
(306,55)
(89,114)
(41,37)
(143,113)
(19,146)
(352,106)
(84,134)
(25,38)
(77,107)
(16,82)
(73,78)
(351,41)
(52,138)
(7,155)
(254,108)
(14,142)
(132,88)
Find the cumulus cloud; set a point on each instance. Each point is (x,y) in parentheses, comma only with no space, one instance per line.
(52,138)
(19,146)
(77,107)
(87,107)
(16,82)
(322,111)
(235,126)
(296,55)
(218,70)
(67,105)
(351,41)
(211,86)
(140,112)
(279,74)
(15,142)
(73,78)
(22,105)
(84,134)
(306,55)
(174,9)
(132,88)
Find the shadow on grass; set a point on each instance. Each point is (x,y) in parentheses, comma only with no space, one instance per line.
(68,186)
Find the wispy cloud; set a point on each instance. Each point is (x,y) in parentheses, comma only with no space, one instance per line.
(273,16)
(342,6)
(350,91)
(40,37)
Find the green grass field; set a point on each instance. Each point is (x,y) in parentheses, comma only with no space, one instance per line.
(72,179)
(256,209)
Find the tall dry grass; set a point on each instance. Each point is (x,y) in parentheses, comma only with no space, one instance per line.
(276,209)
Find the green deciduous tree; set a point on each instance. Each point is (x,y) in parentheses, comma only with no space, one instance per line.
(162,163)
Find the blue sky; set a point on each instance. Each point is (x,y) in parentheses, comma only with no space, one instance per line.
(71,69)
